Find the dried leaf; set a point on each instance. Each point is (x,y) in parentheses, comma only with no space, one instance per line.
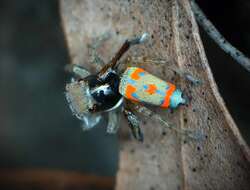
(165,160)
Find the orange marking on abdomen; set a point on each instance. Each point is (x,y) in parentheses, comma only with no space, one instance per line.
(169,93)
(151,89)
(135,75)
(129,91)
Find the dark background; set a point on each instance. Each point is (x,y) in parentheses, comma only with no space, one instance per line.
(37,129)
(232,19)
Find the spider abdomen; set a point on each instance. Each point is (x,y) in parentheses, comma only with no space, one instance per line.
(138,85)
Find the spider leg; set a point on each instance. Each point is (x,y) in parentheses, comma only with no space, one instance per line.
(97,42)
(124,48)
(134,124)
(90,121)
(196,135)
(142,60)
(139,61)
(95,59)
(187,76)
(114,117)
(77,70)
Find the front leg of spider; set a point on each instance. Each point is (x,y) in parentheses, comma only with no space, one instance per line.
(77,71)
(95,59)
(134,124)
(195,135)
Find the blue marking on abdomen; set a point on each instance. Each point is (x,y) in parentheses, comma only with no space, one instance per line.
(135,95)
(141,74)
(145,87)
(161,92)
(131,81)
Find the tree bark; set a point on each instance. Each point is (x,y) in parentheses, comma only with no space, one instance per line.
(165,160)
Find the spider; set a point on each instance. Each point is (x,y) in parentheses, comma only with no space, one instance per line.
(112,91)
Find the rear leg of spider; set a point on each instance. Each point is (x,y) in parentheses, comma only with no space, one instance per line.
(196,135)
(134,124)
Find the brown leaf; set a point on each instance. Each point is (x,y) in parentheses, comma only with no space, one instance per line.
(165,160)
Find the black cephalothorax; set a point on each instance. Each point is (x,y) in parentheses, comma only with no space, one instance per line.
(105,91)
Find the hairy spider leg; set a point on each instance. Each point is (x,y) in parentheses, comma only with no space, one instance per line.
(77,70)
(95,60)
(114,117)
(195,135)
(133,123)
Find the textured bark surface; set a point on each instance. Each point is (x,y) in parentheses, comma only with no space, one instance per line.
(165,160)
